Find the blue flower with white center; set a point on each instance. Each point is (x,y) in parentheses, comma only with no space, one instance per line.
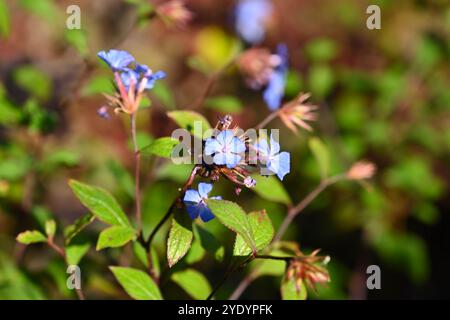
(195,202)
(276,162)
(251,16)
(274,92)
(225,148)
(117,60)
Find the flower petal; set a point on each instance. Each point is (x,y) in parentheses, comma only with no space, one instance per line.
(280,164)
(238,145)
(116,59)
(204,189)
(192,196)
(274,146)
(193,210)
(212,146)
(205,213)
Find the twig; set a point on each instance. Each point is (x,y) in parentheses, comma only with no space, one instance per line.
(63,255)
(268,119)
(137,171)
(292,213)
(211,82)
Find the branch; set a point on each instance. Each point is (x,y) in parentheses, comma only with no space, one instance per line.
(292,213)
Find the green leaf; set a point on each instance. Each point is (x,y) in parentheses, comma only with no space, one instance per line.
(180,237)
(321,49)
(100,202)
(321,154)
(98,84)
(192,121)
(196,252)
(233,217)
(77,38)
(4,19)
(75,252)
(262,230)
(209,242)
(115,236)
(43,8)
(71,231)
(321,80)
(50,228)
(32,236)
(27,77)
(164,95)
(193,282)
(137,283)
(161,147)
(225,104)
(292,289)
(270,188)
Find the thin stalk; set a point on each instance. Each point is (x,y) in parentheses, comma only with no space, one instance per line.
(292,213)
(137,170)
(268,119)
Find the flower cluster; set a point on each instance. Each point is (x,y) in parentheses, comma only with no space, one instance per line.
(234,156)
(131,82)
(309,269)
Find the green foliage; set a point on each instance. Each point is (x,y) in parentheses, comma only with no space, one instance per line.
(321,49)
(262,230)
(233,217)
(4,19)
(193,282)
(161,147)
(76,252)
(321,154)
(292,289)
(209,242)
(100,84)
(189,120)
(50,228)
(72,230)
(180,237)
(28,76)
(101,203)
(137,283)
(224,104)
(77,38)
(270,188)
(29,237)
(115,236)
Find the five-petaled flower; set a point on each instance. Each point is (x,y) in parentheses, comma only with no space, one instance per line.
(225,148)
(117,60)
(131,82)
(195,202)
(251,19)
(275,161)
(274,92)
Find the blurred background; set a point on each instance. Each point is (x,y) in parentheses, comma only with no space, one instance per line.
(383,96)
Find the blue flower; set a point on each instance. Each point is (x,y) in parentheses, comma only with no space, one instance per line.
(151,79)
(226,148)
(117,60)
(140,72)
(251,16)
(276,162)
(274,92)
(196,204)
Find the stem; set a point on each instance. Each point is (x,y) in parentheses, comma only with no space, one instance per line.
(268,257)
(137,170)
(292,213)
(210,83)
(268,119)
(221,282)
(62,253)
(148,244)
